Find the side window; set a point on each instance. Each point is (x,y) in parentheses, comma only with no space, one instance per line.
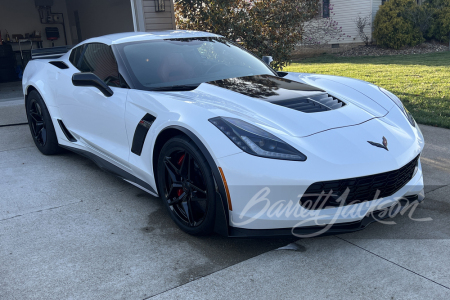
(326,9)
(99,59)
(75,55)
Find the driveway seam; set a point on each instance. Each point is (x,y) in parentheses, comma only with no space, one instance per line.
(15,124)
(199,278)
(393,263)
(443,186)
(206,275)
(41,210)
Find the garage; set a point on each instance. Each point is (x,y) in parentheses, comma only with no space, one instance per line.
(31,24)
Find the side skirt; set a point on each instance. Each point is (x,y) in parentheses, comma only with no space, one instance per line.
(109,167)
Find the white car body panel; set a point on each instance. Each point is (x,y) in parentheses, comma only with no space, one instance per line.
(335,142)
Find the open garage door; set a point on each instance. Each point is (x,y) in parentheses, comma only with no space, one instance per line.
(32,24)
(91,18)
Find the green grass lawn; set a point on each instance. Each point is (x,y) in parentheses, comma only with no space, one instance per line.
(421,81)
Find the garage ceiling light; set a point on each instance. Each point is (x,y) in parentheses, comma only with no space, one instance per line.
(160,5)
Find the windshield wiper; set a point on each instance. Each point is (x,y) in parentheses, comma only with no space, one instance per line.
(186,87)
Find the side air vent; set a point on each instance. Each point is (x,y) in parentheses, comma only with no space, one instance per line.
(59,64)
(312,104)
(66,132)
(141,133)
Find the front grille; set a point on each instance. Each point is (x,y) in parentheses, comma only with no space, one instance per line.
(312,104)
(360,188)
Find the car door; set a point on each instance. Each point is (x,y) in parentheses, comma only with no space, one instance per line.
(97,120)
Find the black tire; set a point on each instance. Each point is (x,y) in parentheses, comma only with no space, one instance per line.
(41,125)
(186,186)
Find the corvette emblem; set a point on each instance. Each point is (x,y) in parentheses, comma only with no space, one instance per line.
(384,145)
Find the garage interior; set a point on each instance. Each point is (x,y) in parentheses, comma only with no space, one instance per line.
(32,24)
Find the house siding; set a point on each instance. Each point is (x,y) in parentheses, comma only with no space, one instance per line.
(158,20)
(375,6)
(345,12)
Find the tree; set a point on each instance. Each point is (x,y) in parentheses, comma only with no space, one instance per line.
(266,27)
(320,31)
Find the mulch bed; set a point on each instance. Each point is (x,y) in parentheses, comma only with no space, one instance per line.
(372,50)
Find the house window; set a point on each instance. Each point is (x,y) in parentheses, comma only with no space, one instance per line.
(326,9)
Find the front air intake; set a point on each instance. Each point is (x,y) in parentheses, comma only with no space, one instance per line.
(360,189)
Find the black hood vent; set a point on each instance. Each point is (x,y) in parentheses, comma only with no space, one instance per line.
(312,104)
(280,91)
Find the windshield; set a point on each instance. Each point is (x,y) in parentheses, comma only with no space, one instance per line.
(188,62)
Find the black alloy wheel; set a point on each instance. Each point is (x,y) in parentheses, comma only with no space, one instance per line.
(37,123)
(41,125)
(186,186)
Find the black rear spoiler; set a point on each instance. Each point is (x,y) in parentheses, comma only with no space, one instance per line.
(54,52)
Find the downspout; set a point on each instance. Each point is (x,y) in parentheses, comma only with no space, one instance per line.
(371,21)
(133,12)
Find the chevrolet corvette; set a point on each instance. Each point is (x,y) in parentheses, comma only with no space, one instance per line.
(229,144)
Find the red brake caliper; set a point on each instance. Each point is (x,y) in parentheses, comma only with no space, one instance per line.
(180,161)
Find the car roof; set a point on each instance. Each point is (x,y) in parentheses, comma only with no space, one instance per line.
(127,37)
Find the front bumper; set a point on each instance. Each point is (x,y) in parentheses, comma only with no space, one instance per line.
(330,229)
(271,202)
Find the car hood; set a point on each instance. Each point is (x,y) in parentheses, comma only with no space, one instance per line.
(286,106)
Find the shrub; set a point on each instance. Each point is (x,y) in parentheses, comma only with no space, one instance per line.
(421,17)
(392,29)
(361,23)
(440,27)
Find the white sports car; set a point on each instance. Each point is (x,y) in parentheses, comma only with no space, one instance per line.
(227,143)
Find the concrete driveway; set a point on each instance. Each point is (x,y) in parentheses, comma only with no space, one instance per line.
(71,231)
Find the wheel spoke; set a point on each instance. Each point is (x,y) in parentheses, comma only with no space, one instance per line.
(198,189)
(195,198)
(172,170)
(173,186)
(39,125)
(177,200)
(38,133)
(188,211)
(33,117)
(189,168)
(183,170)
(37,117)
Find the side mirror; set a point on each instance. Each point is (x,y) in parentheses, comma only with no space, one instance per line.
(90,79)
(267,59)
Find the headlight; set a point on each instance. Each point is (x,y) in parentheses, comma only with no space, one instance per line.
(400,105)
(256,141)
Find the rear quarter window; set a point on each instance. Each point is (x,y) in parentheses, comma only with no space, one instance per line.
(75,55)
